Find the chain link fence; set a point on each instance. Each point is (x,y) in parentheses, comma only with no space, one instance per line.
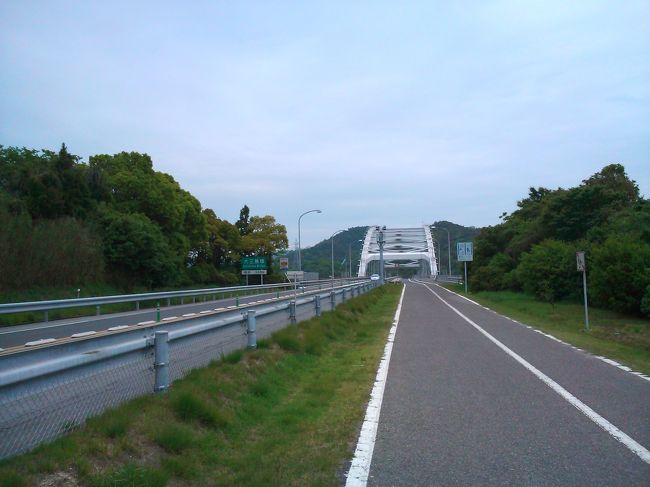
(61,387)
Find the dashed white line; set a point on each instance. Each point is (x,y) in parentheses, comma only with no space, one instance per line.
(619,435)
(42,341)
(83,334)
(120,327)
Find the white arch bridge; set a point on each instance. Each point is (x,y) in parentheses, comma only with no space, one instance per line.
(403,248)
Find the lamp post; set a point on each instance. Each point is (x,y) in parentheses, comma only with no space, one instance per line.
(332,241)
(300,218)
(448,248)
(381,242)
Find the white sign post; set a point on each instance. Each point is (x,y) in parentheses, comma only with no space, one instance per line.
(465,254)
(581,264)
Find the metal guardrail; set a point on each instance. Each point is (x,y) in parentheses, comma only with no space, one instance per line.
(49,305)
(452,278)
(49,389)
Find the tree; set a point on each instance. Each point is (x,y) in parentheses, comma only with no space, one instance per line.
(548,271)
(243,223)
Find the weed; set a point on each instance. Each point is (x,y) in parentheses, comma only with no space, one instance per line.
(132,475)
(175,438)
(188,407)
(234,357)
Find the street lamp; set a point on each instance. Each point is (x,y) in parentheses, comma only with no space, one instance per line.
(381,242)
(300,218)
(448,248)
(332,241)
(350,257)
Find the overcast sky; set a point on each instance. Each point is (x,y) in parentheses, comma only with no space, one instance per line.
(393,113)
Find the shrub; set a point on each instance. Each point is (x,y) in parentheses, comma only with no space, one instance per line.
(619,274)
(548,271)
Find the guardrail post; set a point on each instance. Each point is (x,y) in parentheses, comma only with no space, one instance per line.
(343,294)
(182,301)
(137,305)
(157,311)
(98,312)
(161,360)
(46,315)
(333,299)
(317,304)
(251,329)
(292,311)
(277,294)
(237,301)
(169,302)
(193,299)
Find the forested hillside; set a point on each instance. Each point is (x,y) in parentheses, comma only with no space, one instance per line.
(457,233)
(533,249)
(319,257)
(115,219)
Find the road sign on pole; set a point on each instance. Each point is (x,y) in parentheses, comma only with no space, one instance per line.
(253,263)
(465,254)
(284,263)
(581,264)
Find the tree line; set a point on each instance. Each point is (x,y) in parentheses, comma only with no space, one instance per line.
(533,249)
(115,219)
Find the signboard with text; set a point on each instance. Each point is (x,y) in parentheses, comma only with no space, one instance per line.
(465,251)
(253,272)
(284,263)
(253,263)
(580,261)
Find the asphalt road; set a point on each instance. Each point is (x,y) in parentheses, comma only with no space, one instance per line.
(12,336)
(459,409)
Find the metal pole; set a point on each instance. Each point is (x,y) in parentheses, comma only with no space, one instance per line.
(251,329)
(332,242)
(292,311)
(584,287)
(299,251)
(448,252)
(157,311)
(380,242)
(465,277)
(161,360)
(333,299)
(350,259)
(317,304)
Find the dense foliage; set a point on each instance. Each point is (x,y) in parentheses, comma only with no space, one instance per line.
(115,219)
(533,249)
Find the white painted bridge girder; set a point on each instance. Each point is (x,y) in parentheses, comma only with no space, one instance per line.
(403,247)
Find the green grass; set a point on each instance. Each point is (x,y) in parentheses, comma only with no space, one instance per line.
(623,338)
(285,414)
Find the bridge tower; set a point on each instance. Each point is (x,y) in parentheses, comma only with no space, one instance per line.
(404,248)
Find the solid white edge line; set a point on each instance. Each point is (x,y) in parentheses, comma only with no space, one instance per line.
(360,467)
(603,359)
(619,435)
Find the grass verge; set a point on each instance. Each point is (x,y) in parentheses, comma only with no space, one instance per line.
(623,338)
(285,414)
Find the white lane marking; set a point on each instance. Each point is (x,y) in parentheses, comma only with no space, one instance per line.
(120,327)
(44,327)
(360,467)
(169,318)
(40,342)
(83,334)
(619,435)
(205,312)
(150,322)
(187,315)
(604,359)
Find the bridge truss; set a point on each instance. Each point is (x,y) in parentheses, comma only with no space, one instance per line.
(403,248)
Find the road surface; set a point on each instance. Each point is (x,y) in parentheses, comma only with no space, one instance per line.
(473,398)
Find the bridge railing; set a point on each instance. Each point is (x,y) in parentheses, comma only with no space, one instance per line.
(49,389)
(164,297)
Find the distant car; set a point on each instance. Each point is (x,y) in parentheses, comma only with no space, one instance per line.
(374,277)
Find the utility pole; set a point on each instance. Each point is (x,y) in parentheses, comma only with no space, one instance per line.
(380,242)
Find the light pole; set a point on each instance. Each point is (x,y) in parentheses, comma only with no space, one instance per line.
(300,218)
(380,242)
(350,257)
(448,248)
(332,241)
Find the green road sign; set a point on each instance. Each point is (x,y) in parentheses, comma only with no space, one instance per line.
(253,263)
